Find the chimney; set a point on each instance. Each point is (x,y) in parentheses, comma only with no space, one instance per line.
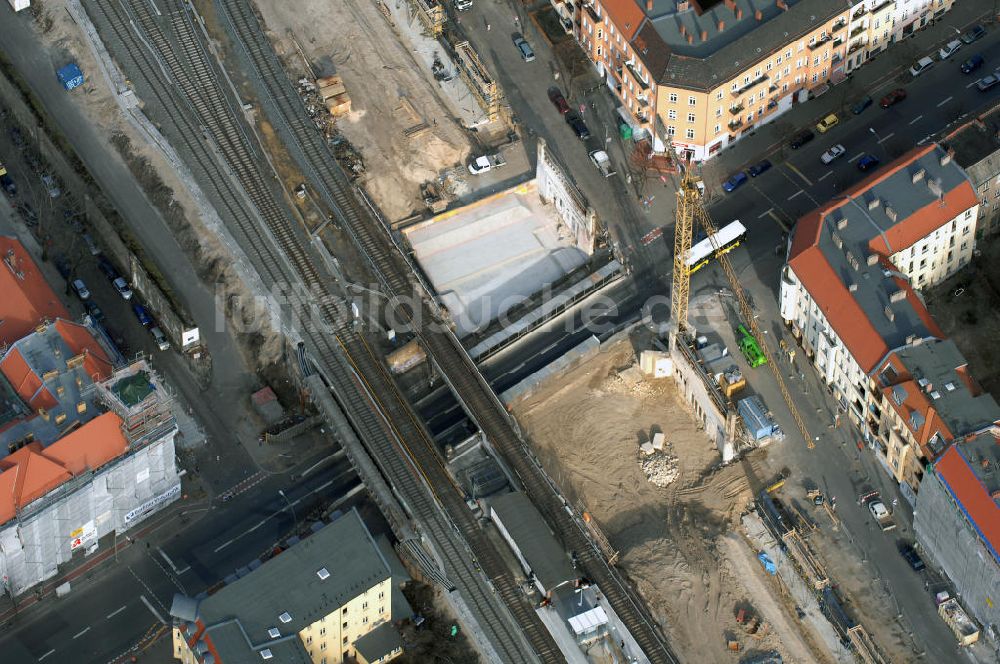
(780,4)
(889,313)
(649,5)
(874,203)
(704,35)
(842,223)
(935,188)
(739,13)
(721,25)
(946,157)
(731,5)
(837,240)
(910,338)
(759,15)
(852,288)
(872,260)
(898,296)
(683,30)
(889,212)
(690,38)
(918,176)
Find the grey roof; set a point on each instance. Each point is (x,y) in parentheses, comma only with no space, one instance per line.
(379,642)
(288,583)
(982,453)
(234,647)
(400,609)
(874,283)
(706,64)
(526,526)
(976,141)
(935,362)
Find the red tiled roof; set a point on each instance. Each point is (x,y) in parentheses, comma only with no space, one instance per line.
(82,342)
(972,496)
(27,297)
(19,375)
(926,220)
(916,401)
(627,16)
(31,472)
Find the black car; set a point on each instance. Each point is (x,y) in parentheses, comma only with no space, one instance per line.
(861,105)
(94,311)
(911,556)
(758,168)
(578,126)
(801,139)
(107,268)
(972,64)
(8,184)
(975,33)
(62,265)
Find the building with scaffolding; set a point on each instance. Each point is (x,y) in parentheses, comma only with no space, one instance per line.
(89,452)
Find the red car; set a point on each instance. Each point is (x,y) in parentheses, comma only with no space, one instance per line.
(894,97)
(558,100)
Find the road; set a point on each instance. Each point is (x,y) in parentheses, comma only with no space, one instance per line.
(121,599)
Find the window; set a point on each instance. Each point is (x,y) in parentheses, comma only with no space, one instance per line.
(381,609)
(968,214)
(600,33)
(691,117)
(345,640)
(309,640)
(692,101)
(689,133)
(322,631)
(965,245)
(768,67)
(673,97)
(344,626)
(718,128)
(718,112)
(778,60)
(718,95)
(671,130)
(671,114)
(734,86)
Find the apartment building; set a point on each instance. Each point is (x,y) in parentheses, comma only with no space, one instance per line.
(325,599)
(912,15)
(976,146)
(925,399)
(849,288)
(705,73)
(957,524)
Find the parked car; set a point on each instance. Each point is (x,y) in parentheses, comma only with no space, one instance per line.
(93,311)
(91,245)
(8,185)
(861,104)
(893,98)
(735,181)
(801,139)
(524,47)
(911,556)
(827,123)
(463,5)
(972,64)
(486,163)
(122,287)
(881,514)
(578,125)
(949,49)
(974,33)
(107,268)
(160,338)
(142,314)
(920,66)
(602,161)
(62,265)
(867,162)
(81,289)
(557,99)
(51,186)
(833,153)
(987,82)
(758,168)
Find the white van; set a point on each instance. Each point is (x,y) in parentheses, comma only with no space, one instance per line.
(160,338)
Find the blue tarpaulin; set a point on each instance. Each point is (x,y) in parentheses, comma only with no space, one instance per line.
(70,76)
(768,564)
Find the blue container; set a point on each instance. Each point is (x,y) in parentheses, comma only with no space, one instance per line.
(70,76)
(755,416)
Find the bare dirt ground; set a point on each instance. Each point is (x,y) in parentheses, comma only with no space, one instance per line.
(677,543)
(967,307)
(353,39)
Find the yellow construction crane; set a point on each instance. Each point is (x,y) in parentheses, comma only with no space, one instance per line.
(691,209)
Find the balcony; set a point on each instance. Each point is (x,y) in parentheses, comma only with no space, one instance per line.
(837,57)
(838,41)
(855,46)
(735,124)
(838,26)
(642,102)
(594,18)
(819,42)
(857,31)
(641,84)
(736,110)
(879,7)
(757,81)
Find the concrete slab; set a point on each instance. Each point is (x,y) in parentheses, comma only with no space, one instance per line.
(485,257)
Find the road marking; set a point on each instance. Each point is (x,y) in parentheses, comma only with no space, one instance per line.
(886,138)
(222,546)
(116,612)
(824,176)
(856,157)
(765,213)
(971,84)
(81,632)
(167,558)
(780,222)
(183,569)
(799,173)
(916,119)
(152,609)
(319,488)
(46,654)
(944,101)
(796,194)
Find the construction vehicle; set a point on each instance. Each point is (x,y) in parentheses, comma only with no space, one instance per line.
(691,210)
(750,348)
(776,483)
(957,619)
(816,496)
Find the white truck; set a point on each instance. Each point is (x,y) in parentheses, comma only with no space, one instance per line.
(486,163)
(603,162)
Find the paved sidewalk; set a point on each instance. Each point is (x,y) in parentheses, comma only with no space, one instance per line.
(888,69)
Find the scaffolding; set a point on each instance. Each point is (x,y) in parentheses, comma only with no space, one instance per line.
(483,86)
(431,14)
(864,646)
(810,566)
(136,394)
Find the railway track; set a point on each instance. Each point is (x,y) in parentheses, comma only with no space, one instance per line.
(373,239)
(182,80)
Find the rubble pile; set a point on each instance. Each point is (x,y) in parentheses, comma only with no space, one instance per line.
(660,468)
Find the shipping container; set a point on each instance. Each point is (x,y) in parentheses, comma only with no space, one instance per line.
(18,5)
(758,421)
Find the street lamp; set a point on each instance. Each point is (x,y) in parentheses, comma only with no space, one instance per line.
(281,493)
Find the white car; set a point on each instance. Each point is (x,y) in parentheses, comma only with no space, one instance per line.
(122,287)
(878,510)
(81,289)
(831,154)
(949,49)
(160,338)
(921,65)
